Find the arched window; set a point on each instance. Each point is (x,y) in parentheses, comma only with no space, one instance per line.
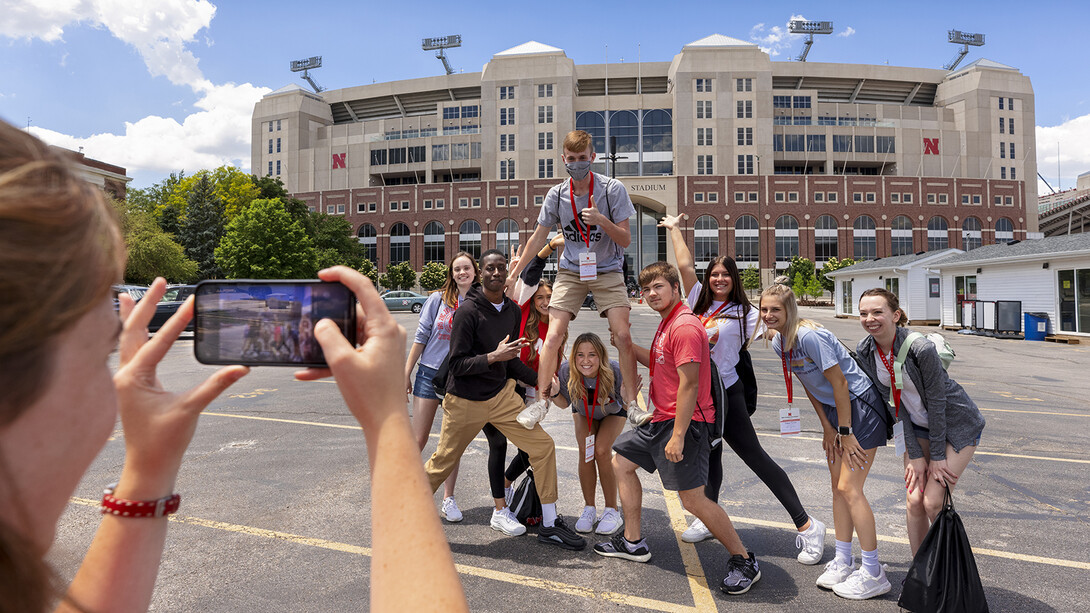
(369,239)
(1004,230)
(901,236)
(507,236)
(937,234)
(434,242)
(864,241)
(594,124)
(825,239)
(970,233)
(469,238)
(624,129)
(706,230)
(787,240)
(746,239)
(658,137)
(399,243)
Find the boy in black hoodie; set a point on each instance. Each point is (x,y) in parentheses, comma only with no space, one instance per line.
(484,363)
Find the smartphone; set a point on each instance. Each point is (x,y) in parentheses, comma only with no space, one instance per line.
(268,322)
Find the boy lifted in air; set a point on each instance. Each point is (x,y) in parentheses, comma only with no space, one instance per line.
(592,211)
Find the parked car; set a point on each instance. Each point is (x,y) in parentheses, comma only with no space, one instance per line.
(168,305)
(401,300)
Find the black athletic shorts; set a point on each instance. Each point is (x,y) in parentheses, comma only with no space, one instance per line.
(646,447)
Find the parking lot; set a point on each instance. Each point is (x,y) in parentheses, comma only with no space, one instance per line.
(275,499)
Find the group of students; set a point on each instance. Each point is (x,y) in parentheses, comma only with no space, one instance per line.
(61,249)
(504,350)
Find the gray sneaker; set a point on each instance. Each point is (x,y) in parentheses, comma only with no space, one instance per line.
(638,416)
(742,573)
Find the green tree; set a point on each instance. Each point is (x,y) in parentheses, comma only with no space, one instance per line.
(830,265)
(334,233)
(433,276)
(150,251)
(398,276)
(270,188)
(751,278)
(203,227)
(799,266)
(368,269)
(262,242)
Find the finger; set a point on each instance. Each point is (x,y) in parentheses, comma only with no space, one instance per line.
(202,395)
(312,374)
(128,344)
(334,345)
(145,309)
(134,330)
(155,349)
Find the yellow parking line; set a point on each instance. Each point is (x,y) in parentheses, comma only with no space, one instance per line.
(992,453)
(1038,412)
(698,583)
(485,573)
(283,421)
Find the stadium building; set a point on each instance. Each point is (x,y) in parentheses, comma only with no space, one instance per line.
(767,159)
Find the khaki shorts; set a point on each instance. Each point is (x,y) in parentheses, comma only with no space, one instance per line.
(608,289)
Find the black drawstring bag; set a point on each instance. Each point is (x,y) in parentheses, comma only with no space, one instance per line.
(943,577)
(525,503)
(744,367)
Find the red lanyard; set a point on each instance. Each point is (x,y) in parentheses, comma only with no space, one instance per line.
(786,357)
(704,320)
(892,379)
(593,403)
(585,233)
(654,341)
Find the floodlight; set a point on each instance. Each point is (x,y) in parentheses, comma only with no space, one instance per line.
(305,66)
(964,39)
(442,43)
(809,28)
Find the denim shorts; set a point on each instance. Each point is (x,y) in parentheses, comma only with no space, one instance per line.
(925,434)
(867,423)
(422,386)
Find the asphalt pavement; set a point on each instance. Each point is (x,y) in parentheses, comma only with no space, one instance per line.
(275,500)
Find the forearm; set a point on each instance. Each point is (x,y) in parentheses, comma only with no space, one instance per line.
(686,405)
(681,250)
(414,356)
(533,245)
(642,355)
(619,235)
(118,573)
(400,496)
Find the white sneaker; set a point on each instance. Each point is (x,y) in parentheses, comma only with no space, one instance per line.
(611,522)
(533,413)
(862,585)
(451,511)
(696,532)
(835,574)
(505,522)
(811,543)
(638,416)
(586,520)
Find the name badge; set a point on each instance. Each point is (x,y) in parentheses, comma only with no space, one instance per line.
(588,266)
(899,438)
(790,422)
(588,454)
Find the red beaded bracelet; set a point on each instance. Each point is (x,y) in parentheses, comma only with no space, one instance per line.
(112,505)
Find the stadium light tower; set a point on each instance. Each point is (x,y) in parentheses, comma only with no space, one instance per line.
(964,39)
(809,28)
(304,66)
(442,43)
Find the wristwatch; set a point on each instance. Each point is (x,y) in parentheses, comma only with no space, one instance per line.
(844,430)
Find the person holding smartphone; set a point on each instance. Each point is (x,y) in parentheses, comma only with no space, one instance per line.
(60,251)
(484,364)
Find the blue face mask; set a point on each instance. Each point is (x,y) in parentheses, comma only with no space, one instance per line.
(578,170)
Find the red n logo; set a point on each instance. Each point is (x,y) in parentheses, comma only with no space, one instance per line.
(930,146)
(338,160)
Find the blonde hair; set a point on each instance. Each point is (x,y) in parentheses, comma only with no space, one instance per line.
(606,380)
(60,250)
(792,321)
(578,141)
(533,319)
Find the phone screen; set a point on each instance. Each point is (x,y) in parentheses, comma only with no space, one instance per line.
(268,323)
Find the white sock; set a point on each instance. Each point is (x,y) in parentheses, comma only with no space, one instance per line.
(548,514)
(844,553)
(870,563)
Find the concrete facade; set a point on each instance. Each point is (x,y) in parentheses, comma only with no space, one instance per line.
(745,147)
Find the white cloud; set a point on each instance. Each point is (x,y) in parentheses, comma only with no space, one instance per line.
(776,39)
(1073,138)
(160,30)
(846,32)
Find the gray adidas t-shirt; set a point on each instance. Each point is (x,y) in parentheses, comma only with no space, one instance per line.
(612,199)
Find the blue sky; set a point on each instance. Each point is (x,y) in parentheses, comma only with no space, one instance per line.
(164,85)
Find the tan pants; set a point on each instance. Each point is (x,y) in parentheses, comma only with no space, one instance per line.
(464,419)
